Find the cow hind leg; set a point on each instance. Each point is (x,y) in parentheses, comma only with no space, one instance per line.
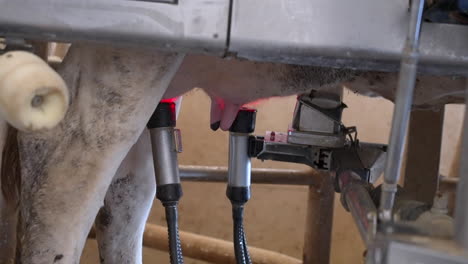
(121,221)
(67,171)
(8,200)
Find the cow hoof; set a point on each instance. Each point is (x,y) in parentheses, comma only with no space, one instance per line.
(33,96)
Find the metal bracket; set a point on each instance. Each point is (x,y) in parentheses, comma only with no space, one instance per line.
(10,44)
(318,139)
(273,150)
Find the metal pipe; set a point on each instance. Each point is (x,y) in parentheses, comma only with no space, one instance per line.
(164,155)
(358,201)
(239,160)
(259,176)
(361,208)
(401,113)
(461,206)
(166,167)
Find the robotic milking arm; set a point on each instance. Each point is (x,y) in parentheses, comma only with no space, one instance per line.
(317,138)
(394,230)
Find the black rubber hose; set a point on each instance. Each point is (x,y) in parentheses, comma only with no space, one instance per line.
(240,247)
(175,248)
(246,250)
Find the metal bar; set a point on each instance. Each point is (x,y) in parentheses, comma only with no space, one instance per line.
(164,155)
(423,154)
(319,222)
(401,113)
(358,201)
(461,206)
(259,176)
(334,33)
(363,34)
(361,208)
(195,25)
(240,166)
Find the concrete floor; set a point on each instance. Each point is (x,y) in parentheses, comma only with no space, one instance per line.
(275,217)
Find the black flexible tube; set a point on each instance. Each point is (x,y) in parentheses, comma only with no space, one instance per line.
(246,250)
(240,247)
(175,248)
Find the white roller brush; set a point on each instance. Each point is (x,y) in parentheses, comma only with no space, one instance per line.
(33,96)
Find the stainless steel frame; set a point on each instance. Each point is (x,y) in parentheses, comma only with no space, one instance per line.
(191,25)
(239,162)
(163,146)
(364,34)
(402,111)
(259,176)
(358,34)
(361,34)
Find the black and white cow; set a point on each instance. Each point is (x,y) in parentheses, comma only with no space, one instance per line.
(96,167)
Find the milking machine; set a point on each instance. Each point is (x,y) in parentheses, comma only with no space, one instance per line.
(239,170)
(316,138)
(166,143)
(415,232)
(394,228)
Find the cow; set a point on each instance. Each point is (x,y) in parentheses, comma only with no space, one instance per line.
(232,83)
(67,171)
(96,165)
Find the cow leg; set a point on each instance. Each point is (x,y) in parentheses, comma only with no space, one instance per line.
(8,213)
(67,170)
(8,221)
(121,221)
(7,233)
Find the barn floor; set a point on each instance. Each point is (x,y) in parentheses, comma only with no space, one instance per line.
(275,217)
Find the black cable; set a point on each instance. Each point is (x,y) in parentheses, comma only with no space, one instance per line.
(240,246)
(175,248)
